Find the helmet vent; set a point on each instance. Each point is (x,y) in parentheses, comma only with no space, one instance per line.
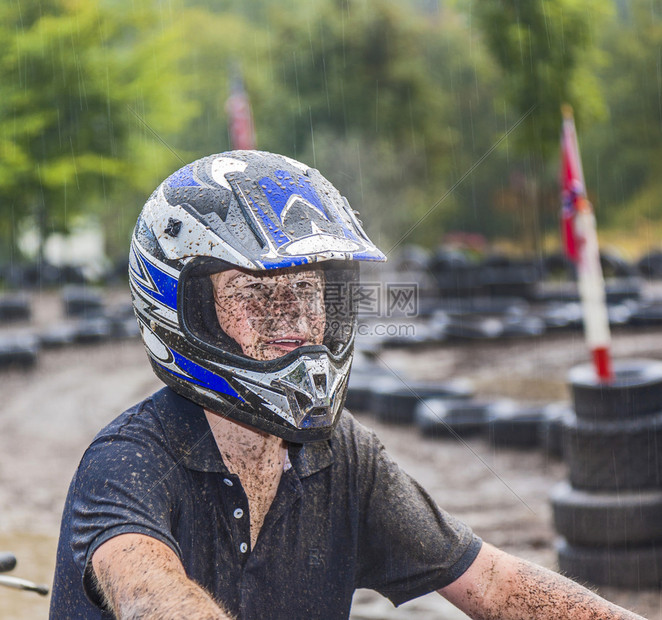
(173,227)
(303,401)
(320,384)
(318,412)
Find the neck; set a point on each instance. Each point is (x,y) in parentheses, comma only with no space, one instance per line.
(246,450)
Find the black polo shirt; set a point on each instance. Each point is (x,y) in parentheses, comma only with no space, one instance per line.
(344,517)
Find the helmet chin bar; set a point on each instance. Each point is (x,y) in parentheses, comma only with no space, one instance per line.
(311,388)
(307,393)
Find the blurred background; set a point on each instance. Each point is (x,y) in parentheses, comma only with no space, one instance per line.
(394,101)
(438,119)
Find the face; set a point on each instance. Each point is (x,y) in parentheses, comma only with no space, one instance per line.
(271,314)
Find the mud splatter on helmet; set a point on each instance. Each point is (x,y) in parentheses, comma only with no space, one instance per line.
(255,211)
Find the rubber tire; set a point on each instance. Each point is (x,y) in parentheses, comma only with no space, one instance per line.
(613,456)
(92,330)
(441,417)
(636,390)
(15,308)
(81,302)
(647,314)
(634,568)
(550,429)
(394,401)
(19,351)
(361,383)
(58,335)
(607,519)
(512,425)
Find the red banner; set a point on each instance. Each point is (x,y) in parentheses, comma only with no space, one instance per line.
(240,117)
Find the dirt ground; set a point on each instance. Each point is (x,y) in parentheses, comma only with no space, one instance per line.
(49,415)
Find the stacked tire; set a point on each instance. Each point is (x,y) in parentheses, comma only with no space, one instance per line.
(609,513)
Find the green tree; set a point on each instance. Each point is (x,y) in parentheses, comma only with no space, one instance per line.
(547,51)
(623,153)
(361,95)
(70,77)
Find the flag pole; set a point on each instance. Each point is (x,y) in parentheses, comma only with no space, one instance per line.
(581,244)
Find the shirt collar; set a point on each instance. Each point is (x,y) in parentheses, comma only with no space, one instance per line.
(190,438)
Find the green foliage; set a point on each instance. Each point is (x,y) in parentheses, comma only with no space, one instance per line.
(624,152)
(383,99)
(70,72)
(544,49)
(394,101)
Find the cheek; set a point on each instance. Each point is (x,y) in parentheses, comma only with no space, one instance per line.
(317,323)
(231,317)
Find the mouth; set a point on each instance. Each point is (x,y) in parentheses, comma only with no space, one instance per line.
(288,343)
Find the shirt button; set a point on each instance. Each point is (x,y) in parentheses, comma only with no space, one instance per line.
(243,547)
(227,481)
(239,513)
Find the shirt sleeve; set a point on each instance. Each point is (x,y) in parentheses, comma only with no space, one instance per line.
(408,545)
(124,484)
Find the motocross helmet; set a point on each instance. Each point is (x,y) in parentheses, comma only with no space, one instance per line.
(252,211)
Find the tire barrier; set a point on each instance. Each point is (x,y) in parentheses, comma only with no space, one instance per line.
(469,319)
(550,429)
(59,335)
(89,321)
(650,264)
(14,308)
(523,327)
(512,425)
(646,314)
(81,301)
(446,417)
(445,410)
(613,455)
(607,519)
(92,330)
(18,351)
(632,567)
(361,381)
(394,401)
(609,514)
(467,327)
(635,391)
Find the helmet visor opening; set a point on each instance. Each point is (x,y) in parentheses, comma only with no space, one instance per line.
(267,315)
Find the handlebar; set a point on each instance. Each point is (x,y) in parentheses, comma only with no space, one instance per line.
(23,584)
(7,561)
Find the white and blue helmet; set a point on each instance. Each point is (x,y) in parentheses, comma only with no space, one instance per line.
(255,211)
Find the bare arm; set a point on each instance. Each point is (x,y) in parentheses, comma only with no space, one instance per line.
(140,577)
(499,586)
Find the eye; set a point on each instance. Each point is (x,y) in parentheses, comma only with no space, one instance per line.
(255,286)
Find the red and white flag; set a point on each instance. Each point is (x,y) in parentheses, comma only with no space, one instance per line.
(240,117)
(580,239)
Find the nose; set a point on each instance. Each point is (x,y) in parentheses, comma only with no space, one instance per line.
(284,300)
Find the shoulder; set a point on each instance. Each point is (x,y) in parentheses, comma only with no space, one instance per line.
(143,436)
(355,443)
(163,418)
(351,431)
(139,422)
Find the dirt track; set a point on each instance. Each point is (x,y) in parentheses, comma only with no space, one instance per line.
(48,416)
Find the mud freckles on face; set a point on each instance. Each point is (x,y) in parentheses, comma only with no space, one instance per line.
(271,314)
